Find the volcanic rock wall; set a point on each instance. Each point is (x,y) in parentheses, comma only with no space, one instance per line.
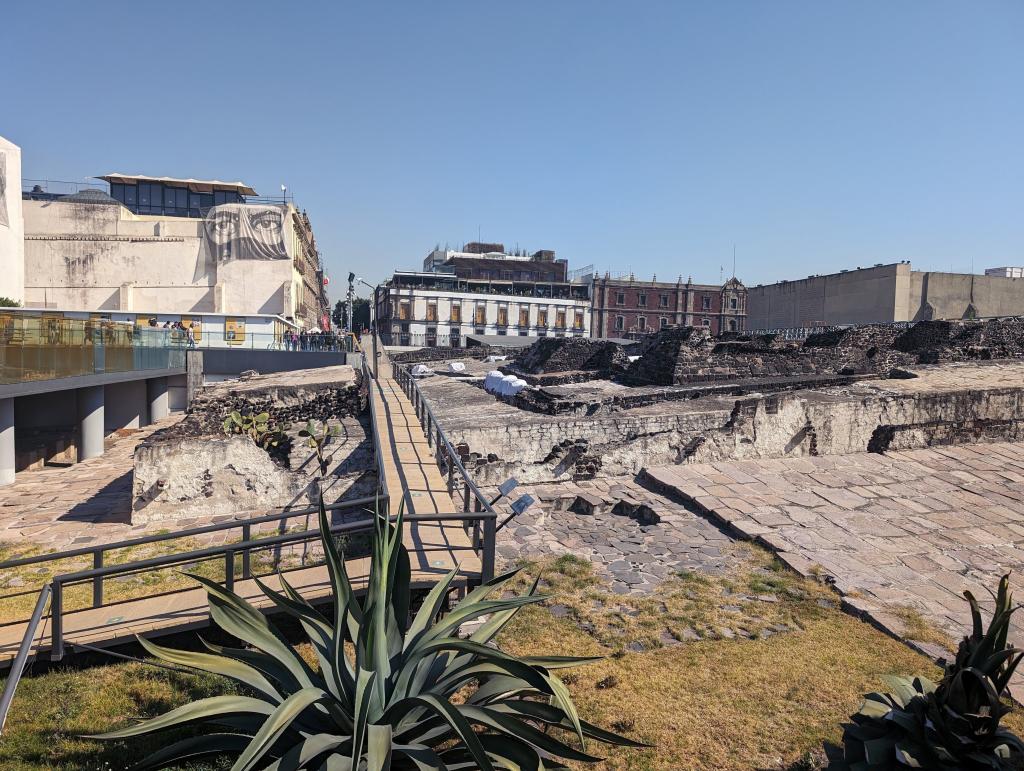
(682,355)
(193,469)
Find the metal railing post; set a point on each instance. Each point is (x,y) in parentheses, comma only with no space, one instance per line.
(97,582)
(57,622)
(18,667)
(229,569)
(246,536)
(487,558)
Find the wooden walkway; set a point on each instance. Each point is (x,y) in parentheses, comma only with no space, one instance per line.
(410,474)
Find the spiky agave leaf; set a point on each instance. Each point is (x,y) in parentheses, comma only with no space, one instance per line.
(390,705)
(954,724)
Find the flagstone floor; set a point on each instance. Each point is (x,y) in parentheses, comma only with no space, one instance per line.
(62,507)
(894,531)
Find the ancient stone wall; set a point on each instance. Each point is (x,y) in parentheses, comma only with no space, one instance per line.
(568,354)
(193,469)
(682,355)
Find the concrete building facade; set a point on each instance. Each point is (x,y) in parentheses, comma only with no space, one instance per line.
(12,234)
(124,252)
(880,294)
(482,290)
(626,307)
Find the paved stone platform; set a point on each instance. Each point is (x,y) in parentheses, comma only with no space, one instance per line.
(90,502)
(894,531)
(634,537)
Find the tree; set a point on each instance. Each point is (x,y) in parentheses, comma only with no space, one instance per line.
(7,302)
(360,311)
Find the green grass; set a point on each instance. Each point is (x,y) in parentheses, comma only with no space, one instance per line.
(726,704)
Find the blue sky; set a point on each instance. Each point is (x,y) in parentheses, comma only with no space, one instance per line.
(644,136)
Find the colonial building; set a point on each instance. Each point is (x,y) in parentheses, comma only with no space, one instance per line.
(485,291)
(626,307)
(172,246)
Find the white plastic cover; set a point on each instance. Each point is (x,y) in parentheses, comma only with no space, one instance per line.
(456,366)
(419,370)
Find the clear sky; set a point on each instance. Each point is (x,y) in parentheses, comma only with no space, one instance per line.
(644,136)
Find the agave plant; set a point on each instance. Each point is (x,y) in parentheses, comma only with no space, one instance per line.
(951,725)
(393,690)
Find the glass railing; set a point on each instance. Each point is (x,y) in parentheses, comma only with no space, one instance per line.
(267,341)
(50,348)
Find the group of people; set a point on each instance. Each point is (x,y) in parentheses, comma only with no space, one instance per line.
(312,341)
(178,331)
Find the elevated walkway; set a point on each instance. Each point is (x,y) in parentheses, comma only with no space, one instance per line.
(441,532)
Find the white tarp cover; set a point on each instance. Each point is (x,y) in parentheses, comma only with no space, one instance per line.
(245,231)
(503,385)
(456,366)
(4,221)
(419,370)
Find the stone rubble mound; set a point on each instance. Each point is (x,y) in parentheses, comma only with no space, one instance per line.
(570,354)
(682,355)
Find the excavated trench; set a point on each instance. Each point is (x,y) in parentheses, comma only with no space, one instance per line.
(945,404)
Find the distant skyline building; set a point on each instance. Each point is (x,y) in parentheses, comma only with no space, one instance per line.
(482,290)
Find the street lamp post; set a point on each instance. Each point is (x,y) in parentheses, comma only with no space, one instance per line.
(373,323)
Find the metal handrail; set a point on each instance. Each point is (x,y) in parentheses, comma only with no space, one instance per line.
(188,533)
(450,460)
(18,667)
(228,552)
(371,382)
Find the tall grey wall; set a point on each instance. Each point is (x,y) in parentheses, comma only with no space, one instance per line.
(865,296)
(125,405)
(963,295)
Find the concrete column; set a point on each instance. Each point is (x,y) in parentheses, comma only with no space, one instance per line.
(90,422)
(6,441)
(156,390)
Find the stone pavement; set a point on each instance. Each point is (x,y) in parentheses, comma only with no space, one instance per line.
(65,507)
(634,537)
(894,531)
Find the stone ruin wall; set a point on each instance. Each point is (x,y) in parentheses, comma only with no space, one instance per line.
(193,469)
(823,410)
(775,426)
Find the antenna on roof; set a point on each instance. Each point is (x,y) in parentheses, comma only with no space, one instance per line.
(734,260)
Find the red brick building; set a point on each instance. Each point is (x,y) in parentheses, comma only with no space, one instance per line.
(630,308)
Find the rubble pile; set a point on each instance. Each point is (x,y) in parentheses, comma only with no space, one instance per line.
(683,355)
(195,469)
(290,398)
(569,354)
